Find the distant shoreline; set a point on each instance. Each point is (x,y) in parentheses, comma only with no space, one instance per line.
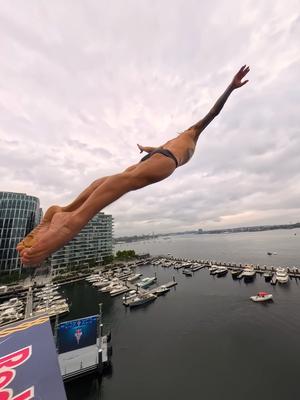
(259,228)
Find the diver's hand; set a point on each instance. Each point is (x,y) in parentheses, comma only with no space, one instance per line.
(237,80)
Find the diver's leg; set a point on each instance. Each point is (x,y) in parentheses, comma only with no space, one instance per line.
(65,225)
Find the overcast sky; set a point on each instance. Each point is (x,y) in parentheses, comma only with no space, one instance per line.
(81,82)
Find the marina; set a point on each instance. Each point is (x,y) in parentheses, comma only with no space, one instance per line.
(32,303)
(118,280)
(207,308)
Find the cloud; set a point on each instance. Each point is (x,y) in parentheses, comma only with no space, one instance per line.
(81,84)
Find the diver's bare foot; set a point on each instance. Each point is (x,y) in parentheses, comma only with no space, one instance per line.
(63,227)
(43,226)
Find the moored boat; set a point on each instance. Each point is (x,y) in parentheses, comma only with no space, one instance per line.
(268,275)
(187,272)
(129,295)
(222,271)
(117,291)
(141,299)
(281,275)
(213,269)
(134,277)
(235,273)
(161,290)
(196,267)
(248,272)
(144,283)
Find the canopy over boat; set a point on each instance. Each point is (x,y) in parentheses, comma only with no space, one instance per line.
(262,294)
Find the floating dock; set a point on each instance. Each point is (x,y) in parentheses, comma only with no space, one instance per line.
(82,348)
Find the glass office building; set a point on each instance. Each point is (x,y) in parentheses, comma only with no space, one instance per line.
(19,214)
(91,245)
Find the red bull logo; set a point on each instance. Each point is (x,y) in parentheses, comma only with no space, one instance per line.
(8,365)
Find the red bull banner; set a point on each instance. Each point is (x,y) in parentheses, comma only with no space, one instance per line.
(28,362)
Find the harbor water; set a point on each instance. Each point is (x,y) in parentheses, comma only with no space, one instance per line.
(205,338)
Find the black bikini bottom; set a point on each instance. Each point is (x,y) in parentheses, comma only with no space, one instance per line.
(164,152)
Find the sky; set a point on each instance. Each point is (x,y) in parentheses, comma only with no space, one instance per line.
(82,82)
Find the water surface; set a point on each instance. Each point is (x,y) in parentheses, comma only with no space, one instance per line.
(205,338)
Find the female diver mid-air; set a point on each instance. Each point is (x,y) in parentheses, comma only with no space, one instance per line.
(61,224)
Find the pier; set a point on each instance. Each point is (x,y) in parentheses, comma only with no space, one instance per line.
(293,272)
(132,286)
(168,285)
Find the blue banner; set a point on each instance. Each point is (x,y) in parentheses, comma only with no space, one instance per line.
(28,361)
(76,334)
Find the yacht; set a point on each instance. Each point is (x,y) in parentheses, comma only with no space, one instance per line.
(281,275)
(93,278)
(162,290)
(178,266)
(101,283)
(129,295)
(213,269)
(144,283)
(249,272)
(134,277)
(110,287)
(120,289)
(141,299)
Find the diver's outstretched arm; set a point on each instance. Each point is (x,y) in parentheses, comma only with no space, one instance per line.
(215,110)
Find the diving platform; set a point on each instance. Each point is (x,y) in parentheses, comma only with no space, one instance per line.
(80,362)
(82,348)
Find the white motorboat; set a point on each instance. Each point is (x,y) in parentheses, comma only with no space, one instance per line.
(10,315)
(212,269)
(134,277)
(120,289)
(162,290)
(130,295)
(110,287)
(187,272)
(141,299)
(281,275)
(262,296)
(144,283)
(249,272)
(93,278)
(3,289)
(101,283)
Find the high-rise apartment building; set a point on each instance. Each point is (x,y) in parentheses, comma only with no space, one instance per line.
(19,214)
(91,245)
